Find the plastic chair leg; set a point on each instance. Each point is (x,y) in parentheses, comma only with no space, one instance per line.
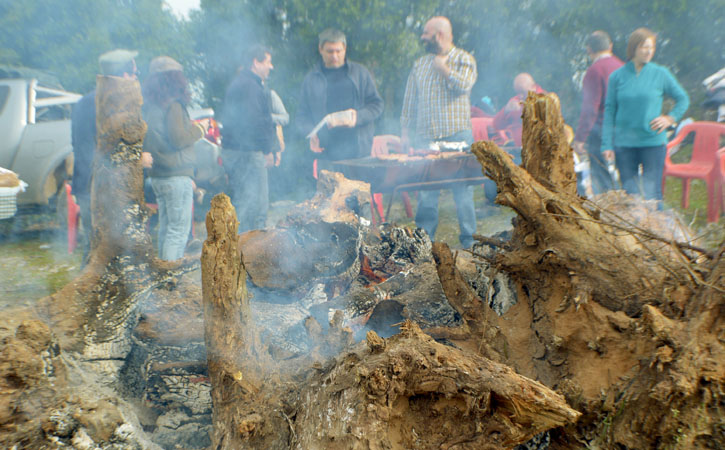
(377,202)
(72,210)
(713,200)
(685,193)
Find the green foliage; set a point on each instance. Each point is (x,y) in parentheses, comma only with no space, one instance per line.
(67,40)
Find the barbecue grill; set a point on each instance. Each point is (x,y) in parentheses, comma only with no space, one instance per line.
(439,170)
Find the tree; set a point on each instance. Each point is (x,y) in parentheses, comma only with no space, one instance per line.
(67,41)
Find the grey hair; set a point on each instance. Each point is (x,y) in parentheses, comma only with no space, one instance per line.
(332,35)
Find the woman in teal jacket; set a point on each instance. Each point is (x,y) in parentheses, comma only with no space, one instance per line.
(633,126)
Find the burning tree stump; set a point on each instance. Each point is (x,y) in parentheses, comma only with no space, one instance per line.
(242,416)
(655,378)
(404,392)
(94,313)
(556,234)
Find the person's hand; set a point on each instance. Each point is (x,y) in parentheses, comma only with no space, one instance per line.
(277,159)
(661,123)
(146,160)
(608,155)
(512,105)
(268,159)
(440,64)
(578,147)
(193,185)
(315,144)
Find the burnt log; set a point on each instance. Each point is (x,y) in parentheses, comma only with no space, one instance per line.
(319,240)
(410,392)
(95,313)
(407,391)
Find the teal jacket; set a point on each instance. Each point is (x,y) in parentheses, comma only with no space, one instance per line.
(634,100)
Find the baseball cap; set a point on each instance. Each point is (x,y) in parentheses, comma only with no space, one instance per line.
(115,61)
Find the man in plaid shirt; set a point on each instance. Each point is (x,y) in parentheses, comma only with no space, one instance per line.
(437,107)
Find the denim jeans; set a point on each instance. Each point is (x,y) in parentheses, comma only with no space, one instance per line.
(248,188)
(652,160)
(174,195)
(426,216)
(600,176)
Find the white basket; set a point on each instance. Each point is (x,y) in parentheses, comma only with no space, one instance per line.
(8,200)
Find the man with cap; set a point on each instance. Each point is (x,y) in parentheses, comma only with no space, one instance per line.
(249,139)
(116,63)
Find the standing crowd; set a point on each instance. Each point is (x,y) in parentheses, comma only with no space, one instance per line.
(621,120)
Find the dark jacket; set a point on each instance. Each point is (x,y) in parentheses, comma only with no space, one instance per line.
(246,116)
(170,139)
(83,137)
(368,103)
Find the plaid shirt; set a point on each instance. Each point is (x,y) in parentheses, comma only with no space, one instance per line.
(439,107)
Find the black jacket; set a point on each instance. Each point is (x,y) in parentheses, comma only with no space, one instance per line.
(83,137)
(368,103)
(246,116)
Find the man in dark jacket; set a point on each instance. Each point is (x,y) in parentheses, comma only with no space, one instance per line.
(345,93)
(249,139)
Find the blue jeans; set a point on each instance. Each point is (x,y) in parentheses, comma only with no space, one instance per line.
(426,216)
(174,195)
(599,173)
(248,188)
(652,160)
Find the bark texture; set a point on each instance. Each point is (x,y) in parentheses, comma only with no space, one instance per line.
(653,378)
(95,312)
(241,413)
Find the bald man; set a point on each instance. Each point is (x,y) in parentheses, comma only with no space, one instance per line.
(437,107)
(509,118)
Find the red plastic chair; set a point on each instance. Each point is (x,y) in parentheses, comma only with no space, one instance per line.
(72,218)
(704,164)
(382,145)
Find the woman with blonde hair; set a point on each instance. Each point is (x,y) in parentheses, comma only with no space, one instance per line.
(633,126)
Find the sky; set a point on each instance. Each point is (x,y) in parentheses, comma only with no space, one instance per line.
(182,7)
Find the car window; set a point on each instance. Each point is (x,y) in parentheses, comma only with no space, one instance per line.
(4,94)
(51,104)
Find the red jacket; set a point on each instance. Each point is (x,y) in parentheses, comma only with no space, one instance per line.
(511,121)
(594,91)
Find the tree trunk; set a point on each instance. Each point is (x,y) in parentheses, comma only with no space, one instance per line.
(94,313)
(242,416)
(556,234)
(654,379)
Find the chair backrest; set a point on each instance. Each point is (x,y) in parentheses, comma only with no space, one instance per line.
(707,140)
(385,144)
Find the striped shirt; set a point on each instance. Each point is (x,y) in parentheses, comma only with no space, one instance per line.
(439,107)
